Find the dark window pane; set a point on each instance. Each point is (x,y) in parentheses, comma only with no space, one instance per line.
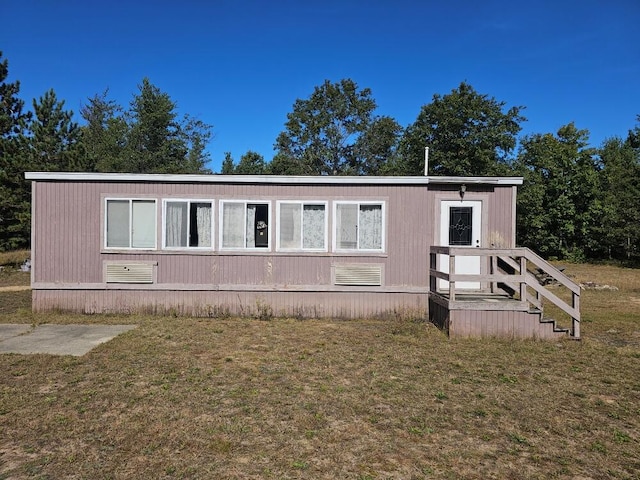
(460,226)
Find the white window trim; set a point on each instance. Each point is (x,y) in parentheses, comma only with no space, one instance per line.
(131,200)
(188,201)
(383,243)
(302,203)
(221,204)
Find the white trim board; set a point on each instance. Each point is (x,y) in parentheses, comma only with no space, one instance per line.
(265,179)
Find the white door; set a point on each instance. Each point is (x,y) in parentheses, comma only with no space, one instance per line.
(460,226)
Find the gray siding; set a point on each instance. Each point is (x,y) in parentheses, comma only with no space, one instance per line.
(69,258)
(498,216)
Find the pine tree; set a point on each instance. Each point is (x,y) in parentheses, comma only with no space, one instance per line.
(54,139)
(15,211)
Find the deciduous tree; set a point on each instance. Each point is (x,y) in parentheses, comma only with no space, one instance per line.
(321,133)
(556,204)
(467,133)
(617,229)
(377,147)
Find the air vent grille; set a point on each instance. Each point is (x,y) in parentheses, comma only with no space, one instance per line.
(361,274)
(129,272)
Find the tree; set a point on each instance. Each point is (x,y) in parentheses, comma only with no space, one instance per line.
(197,135)
(104,133)
(228,167)
(378,146)
(15,212)
(251,163)
(321,133)
(283,164)
(467,134)
(617,231)
(54,139)
(556,204)
(147,138)
(155,143)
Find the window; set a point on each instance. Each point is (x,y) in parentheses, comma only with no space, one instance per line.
(460,225)
(130,223)
(244,225)
(188,224)
(302,226)
(359,226)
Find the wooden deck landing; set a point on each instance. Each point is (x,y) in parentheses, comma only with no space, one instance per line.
(480,316)
(510,303)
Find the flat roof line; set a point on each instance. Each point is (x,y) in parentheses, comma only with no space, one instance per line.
(265,179)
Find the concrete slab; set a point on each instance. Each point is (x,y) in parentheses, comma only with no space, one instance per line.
(73,340)
(13,330)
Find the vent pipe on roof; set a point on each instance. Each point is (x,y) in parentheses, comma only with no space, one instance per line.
(426,161)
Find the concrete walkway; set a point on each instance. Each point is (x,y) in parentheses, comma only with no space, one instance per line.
(73,340)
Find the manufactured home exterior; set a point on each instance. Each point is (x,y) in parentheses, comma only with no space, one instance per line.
(214,245)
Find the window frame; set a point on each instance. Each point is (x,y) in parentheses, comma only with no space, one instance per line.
(359,203)
(244,248)
(131,201)
(188,201)
(302,204)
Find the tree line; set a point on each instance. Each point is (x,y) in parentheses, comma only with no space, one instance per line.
(577,202)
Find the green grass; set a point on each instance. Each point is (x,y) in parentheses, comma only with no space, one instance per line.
(324,399)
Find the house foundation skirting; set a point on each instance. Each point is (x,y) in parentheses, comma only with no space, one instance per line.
(259,304)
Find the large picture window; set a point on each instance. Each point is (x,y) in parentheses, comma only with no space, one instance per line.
(244,225)
(188,224)
(130,223)
(302,226)
(359,226)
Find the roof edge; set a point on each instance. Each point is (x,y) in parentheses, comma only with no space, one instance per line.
(264,179)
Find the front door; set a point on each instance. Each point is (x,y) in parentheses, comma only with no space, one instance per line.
(460,226)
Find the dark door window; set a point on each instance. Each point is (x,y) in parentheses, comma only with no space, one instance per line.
(460,226)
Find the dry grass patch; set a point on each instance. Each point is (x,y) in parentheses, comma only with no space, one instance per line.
(14,258)
(609,315)
(13,277)
(284,399)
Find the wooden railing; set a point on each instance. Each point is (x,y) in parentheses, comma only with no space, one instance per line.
(513,271)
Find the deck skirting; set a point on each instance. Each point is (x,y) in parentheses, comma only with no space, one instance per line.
(477,318)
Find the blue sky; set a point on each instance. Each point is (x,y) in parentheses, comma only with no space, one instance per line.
(240,65)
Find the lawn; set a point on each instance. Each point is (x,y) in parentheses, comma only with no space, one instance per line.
(323,399)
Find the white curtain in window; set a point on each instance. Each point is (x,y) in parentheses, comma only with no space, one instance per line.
(233,225)
(176,224)
(143,224)
(203,224)
(251,226)
(347,226)
(290,225)
(313,233)
(370,234)
(118,223)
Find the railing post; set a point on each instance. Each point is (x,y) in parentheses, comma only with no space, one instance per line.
(575,323)
(452,271)
(433,265)
(523,282)
(493,269)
